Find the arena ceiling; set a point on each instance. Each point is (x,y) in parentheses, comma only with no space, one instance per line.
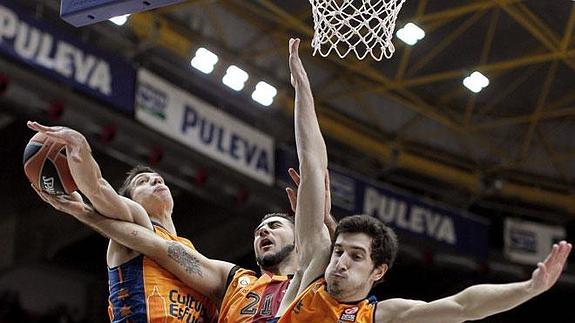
(410,114)
(412,111)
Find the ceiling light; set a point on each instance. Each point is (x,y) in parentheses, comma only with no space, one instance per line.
(235,78)
(410,34)
(264,94)
(476,82)
(204,61)
(120,20)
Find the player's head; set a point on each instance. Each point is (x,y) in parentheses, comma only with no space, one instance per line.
(274,241)
(363,250)
(146,187)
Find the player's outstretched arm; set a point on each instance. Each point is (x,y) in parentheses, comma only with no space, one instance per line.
(330,224)
(88,177)
(478,301)
(312,236)
(205,275)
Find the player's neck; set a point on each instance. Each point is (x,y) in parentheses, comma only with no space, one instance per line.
(165,220)
(352,296)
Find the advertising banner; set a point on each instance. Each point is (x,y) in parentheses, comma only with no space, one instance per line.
(529,242)
(66,59)
(405,212)
(200,126)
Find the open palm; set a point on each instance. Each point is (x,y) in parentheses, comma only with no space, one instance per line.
(548,271)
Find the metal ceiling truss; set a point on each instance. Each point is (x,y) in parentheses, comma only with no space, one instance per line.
(368,78)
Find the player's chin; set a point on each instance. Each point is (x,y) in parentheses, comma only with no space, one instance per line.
(333,286)
(266,251)
(260,253)
(163,197)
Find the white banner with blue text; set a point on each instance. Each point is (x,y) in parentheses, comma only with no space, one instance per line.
(408,214)
(200,126)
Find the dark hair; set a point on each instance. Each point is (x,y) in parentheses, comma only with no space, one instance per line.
(281,215)
(384,244)
(125,189)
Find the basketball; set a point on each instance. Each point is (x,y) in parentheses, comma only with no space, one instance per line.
(46,166)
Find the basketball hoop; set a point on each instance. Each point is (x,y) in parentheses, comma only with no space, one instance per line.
(360,26)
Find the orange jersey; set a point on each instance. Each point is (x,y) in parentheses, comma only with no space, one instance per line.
(142,291)
(316,305)
(251,299)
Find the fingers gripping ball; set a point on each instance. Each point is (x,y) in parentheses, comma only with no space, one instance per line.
(46,166)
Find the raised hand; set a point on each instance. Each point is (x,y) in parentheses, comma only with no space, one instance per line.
(292,196)
(548,271)
(298,73)
(69,137)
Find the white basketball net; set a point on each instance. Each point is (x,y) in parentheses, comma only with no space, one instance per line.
(360,26)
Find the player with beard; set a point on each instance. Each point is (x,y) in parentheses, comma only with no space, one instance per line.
(244,296)
(313,201)
(364,249)
(250,298)
(263,244)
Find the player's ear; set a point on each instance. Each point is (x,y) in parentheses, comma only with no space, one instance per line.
(378,272)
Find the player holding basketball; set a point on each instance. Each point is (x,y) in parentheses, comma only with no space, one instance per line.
(244,296)
(364,249)
(135,281)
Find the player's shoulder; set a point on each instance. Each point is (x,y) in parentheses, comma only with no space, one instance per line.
(280,278)
(117,254)
(319,284)
(241,278)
